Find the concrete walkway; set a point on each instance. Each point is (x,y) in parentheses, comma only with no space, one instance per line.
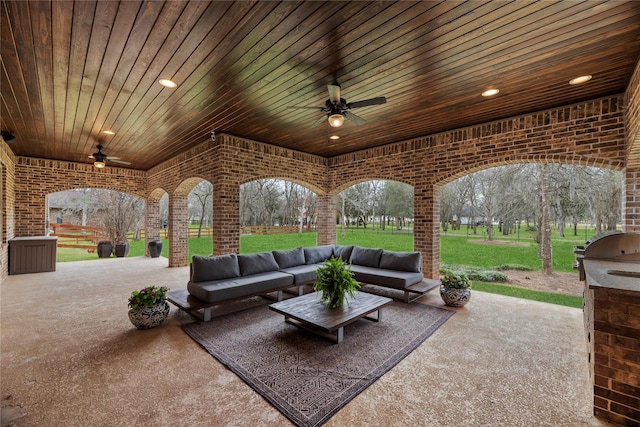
(70,357)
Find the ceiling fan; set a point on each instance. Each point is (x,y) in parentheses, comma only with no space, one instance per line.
(338,109)
(100,158)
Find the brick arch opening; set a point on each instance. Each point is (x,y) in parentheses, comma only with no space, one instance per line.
(347,185)
(440,179)
(296,180)
(178,234)
(344,185)
(318,194)
(152,219)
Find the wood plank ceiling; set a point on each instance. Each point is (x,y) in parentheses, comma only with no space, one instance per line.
(71,70)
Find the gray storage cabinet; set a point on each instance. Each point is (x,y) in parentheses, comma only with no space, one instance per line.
(32,254)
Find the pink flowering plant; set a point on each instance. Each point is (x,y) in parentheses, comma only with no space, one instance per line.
(147,297)
(456,281)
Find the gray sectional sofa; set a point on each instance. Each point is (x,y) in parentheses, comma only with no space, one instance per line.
(218,279)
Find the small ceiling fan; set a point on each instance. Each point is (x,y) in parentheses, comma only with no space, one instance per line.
(338,109)
(100,158)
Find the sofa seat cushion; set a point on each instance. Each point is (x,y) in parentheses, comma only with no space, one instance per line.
(257,263)
(388,278)
(238,287)
(289,258)
(302,273)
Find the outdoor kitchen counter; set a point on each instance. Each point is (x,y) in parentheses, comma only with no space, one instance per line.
(626,274)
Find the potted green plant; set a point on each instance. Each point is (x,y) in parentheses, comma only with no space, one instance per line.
(455,289)
(148,307)
(334,280)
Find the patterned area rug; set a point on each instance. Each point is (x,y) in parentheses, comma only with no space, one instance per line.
(305,376)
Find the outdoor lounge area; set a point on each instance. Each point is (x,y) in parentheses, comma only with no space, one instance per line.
(153,98)
(71,357)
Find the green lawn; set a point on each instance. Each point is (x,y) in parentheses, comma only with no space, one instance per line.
(455,250)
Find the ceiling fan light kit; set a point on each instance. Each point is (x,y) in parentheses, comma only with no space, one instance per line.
(100,159)
(336,108)
(336,120)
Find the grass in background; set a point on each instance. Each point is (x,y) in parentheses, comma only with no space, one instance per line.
(453,250)
(524,293)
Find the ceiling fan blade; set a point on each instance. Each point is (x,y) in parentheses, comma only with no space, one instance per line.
(116,160)
(355,119)
(334,92)
(306,108)
(367,102)
(320,120)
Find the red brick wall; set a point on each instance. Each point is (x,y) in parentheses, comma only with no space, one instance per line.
(615,357)
(7,182)
(35,178)
(631,199)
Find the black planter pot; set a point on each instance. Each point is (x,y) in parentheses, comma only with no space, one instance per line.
(104,249)
(155,248)
(122,250)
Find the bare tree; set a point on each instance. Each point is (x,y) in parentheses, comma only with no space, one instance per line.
(398,200)
(120,213)
(545,223)
(200,198)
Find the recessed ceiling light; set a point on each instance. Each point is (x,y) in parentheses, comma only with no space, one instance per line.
(167,83)
(109,132)
(490,92)
(334,137)
(581,79)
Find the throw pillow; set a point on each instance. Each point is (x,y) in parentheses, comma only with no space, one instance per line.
(257,263)
(318,254)
(343,252)
(206,268)
(290,258)
(402,261)
(365,257)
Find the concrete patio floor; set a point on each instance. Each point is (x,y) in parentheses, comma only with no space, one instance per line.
(70,357)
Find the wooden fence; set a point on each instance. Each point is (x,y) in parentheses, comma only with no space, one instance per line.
(77,236)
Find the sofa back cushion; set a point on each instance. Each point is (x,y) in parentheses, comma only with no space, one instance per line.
(401,261)
(289,258)
(343,252)
(257,263)
(318,254)
(206,268)
(365,257)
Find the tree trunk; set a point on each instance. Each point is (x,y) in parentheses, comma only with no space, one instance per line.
(545,223)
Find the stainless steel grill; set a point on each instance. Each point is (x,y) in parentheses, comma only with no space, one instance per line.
(614,246)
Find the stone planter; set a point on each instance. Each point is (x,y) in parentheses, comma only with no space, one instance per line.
(149,317)
(104,249)
(455,297)
(155,248)
(121,250)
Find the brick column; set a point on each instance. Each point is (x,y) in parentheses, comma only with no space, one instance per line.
(151,223)
(426,231)
(326,222)
(178,231)
(226,216)
(631,199)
